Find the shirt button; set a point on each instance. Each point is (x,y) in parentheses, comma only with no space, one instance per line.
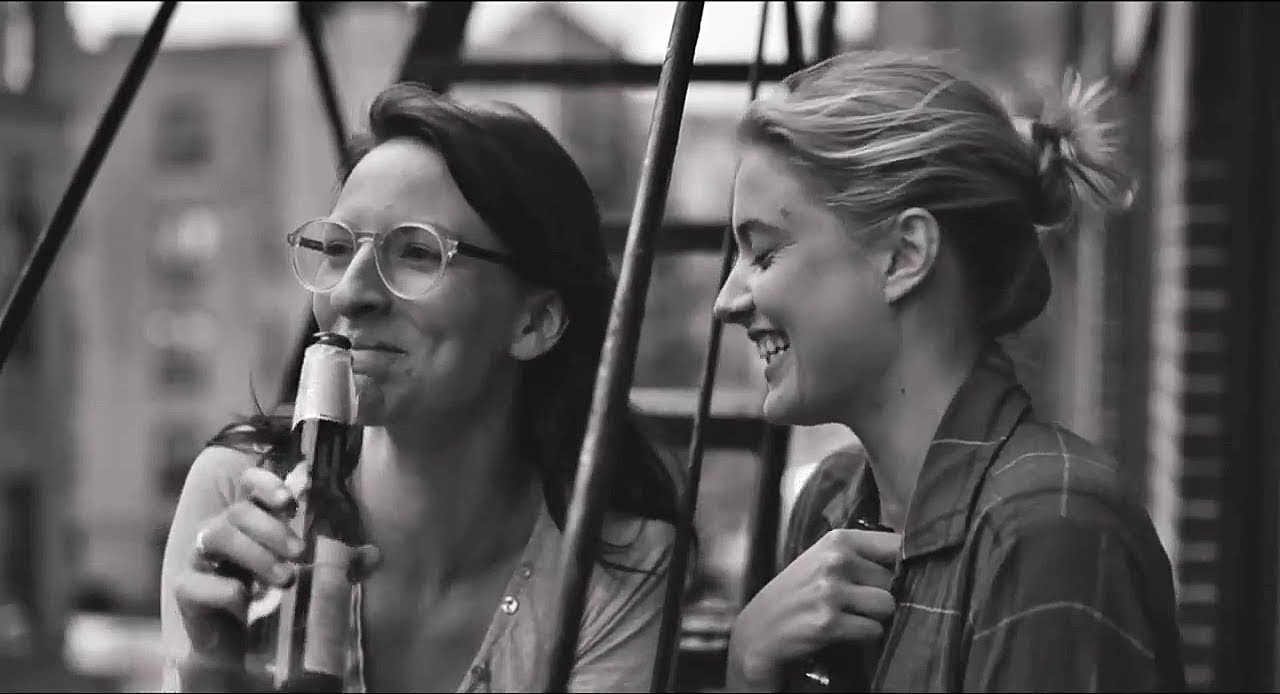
(480,673)
(526,571)
(510,605)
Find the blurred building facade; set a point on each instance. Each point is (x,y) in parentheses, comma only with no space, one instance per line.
(37,58)
(179,254)
(180,278)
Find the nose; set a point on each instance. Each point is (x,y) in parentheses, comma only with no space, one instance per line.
(361,289)
(733,303)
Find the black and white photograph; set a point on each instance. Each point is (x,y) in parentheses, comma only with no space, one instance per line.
(605,346)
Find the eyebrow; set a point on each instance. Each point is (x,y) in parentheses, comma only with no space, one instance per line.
(748,228)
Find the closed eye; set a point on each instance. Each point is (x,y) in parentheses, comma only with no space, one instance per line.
(329,248)
(763,259)
(420,252)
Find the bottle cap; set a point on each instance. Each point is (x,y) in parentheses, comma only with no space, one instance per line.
(326,387)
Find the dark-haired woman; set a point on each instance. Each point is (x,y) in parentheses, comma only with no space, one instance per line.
(474,375)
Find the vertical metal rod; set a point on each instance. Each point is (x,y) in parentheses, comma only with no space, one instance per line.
(765,520)
(664,670)
(1143,63)
(795,38)
(613,381)
(312,32)
(23,297)
(1074,35)
(827,35)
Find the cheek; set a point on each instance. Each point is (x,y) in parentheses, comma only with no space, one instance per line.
(463,328)
(820,295)
(834,314)
(322,308)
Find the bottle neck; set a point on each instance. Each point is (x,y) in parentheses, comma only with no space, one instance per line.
(325,445)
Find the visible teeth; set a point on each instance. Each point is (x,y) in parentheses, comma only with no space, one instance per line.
(770,346)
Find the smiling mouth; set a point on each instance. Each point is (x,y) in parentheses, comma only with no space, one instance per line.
(770,345)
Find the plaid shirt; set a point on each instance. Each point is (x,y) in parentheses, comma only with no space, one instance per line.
(1024,566)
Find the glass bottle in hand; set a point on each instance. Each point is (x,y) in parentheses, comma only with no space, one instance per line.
(314,622)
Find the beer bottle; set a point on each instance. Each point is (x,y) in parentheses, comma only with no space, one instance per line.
(314,623)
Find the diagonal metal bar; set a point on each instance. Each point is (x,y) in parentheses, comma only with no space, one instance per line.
(663,679)
(1074,32)
(23,297)
(434,50)
(828,37)
(1146,52)
(613,381)
(309,20)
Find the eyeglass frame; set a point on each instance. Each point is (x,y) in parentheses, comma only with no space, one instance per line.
(448,243)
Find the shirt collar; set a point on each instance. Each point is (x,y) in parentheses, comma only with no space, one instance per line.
(980,419)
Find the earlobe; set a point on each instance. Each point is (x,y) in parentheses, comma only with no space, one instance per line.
(913,250)
(540,326)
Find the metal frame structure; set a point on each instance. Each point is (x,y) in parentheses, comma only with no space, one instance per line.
(23,297)
(613,382)
(664,672)
(433,58)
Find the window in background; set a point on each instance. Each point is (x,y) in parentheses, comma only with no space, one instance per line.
(180,370)
(182,133)
(181,339)
(17,46)
(187,242)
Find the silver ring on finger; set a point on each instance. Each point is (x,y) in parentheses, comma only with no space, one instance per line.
(200,550)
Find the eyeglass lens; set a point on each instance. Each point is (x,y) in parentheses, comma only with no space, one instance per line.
(410,258)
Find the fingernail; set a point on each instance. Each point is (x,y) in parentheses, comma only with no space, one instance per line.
(283,496)
(296,546)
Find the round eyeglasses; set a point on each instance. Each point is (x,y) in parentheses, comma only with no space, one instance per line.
(411,258)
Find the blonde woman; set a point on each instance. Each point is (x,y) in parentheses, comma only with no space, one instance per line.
(887,212)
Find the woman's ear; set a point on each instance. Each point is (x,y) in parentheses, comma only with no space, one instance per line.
(912,250)
(539,325)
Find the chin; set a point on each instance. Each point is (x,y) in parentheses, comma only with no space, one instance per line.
(784,406)
(782,409)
